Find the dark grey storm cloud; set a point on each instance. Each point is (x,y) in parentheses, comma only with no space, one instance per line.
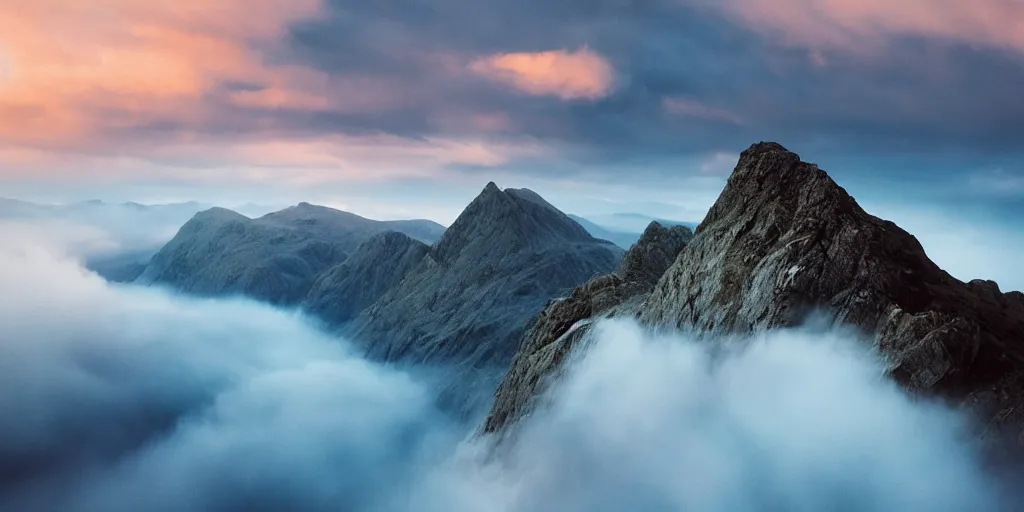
(918,95)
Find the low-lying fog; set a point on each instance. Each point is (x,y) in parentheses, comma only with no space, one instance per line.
(122,398)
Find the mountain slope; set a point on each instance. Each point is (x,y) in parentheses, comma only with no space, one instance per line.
(220,252)
(468,301)
(554,333)
(275,258)
(784,240)
(343,291)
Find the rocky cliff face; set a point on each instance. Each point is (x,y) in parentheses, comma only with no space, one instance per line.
(561,325)
(275,258)
(469,300)
(784,240)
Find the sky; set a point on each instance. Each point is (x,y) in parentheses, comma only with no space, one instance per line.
(394,108)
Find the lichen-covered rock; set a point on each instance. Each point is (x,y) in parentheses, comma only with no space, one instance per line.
(562,324)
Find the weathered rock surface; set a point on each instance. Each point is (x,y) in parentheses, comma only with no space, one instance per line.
(561,325)
(469,300)
(343,291)
(275,258)
(784,240)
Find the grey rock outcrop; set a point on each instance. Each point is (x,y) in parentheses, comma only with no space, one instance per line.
(783,240)
(561,325)
(343,291)
(275,258)
(469,300)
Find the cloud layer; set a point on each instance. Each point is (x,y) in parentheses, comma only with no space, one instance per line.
(127,399)
(122,398)
(793,420)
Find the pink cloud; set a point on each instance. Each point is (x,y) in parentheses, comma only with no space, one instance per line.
(860,24)
(66,63)
(569,75)
(77,78)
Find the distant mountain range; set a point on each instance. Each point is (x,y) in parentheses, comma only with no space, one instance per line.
(409,292)
(501,299)
(132,233)
(275,258)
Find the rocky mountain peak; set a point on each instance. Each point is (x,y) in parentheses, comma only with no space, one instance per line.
(467,303)
(818,240)
(307,211)
(218,213)
(491,188)
(506,221)
(653,253)
(783,241)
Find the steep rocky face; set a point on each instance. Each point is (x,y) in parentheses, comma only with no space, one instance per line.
(343,291)
(561,325)
(784,240)
(275,258)
(468,302)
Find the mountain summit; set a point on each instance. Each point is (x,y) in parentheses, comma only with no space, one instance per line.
(469,300)
(784,241)
(508,220)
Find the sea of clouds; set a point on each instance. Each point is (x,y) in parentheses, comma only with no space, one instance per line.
(124,398)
